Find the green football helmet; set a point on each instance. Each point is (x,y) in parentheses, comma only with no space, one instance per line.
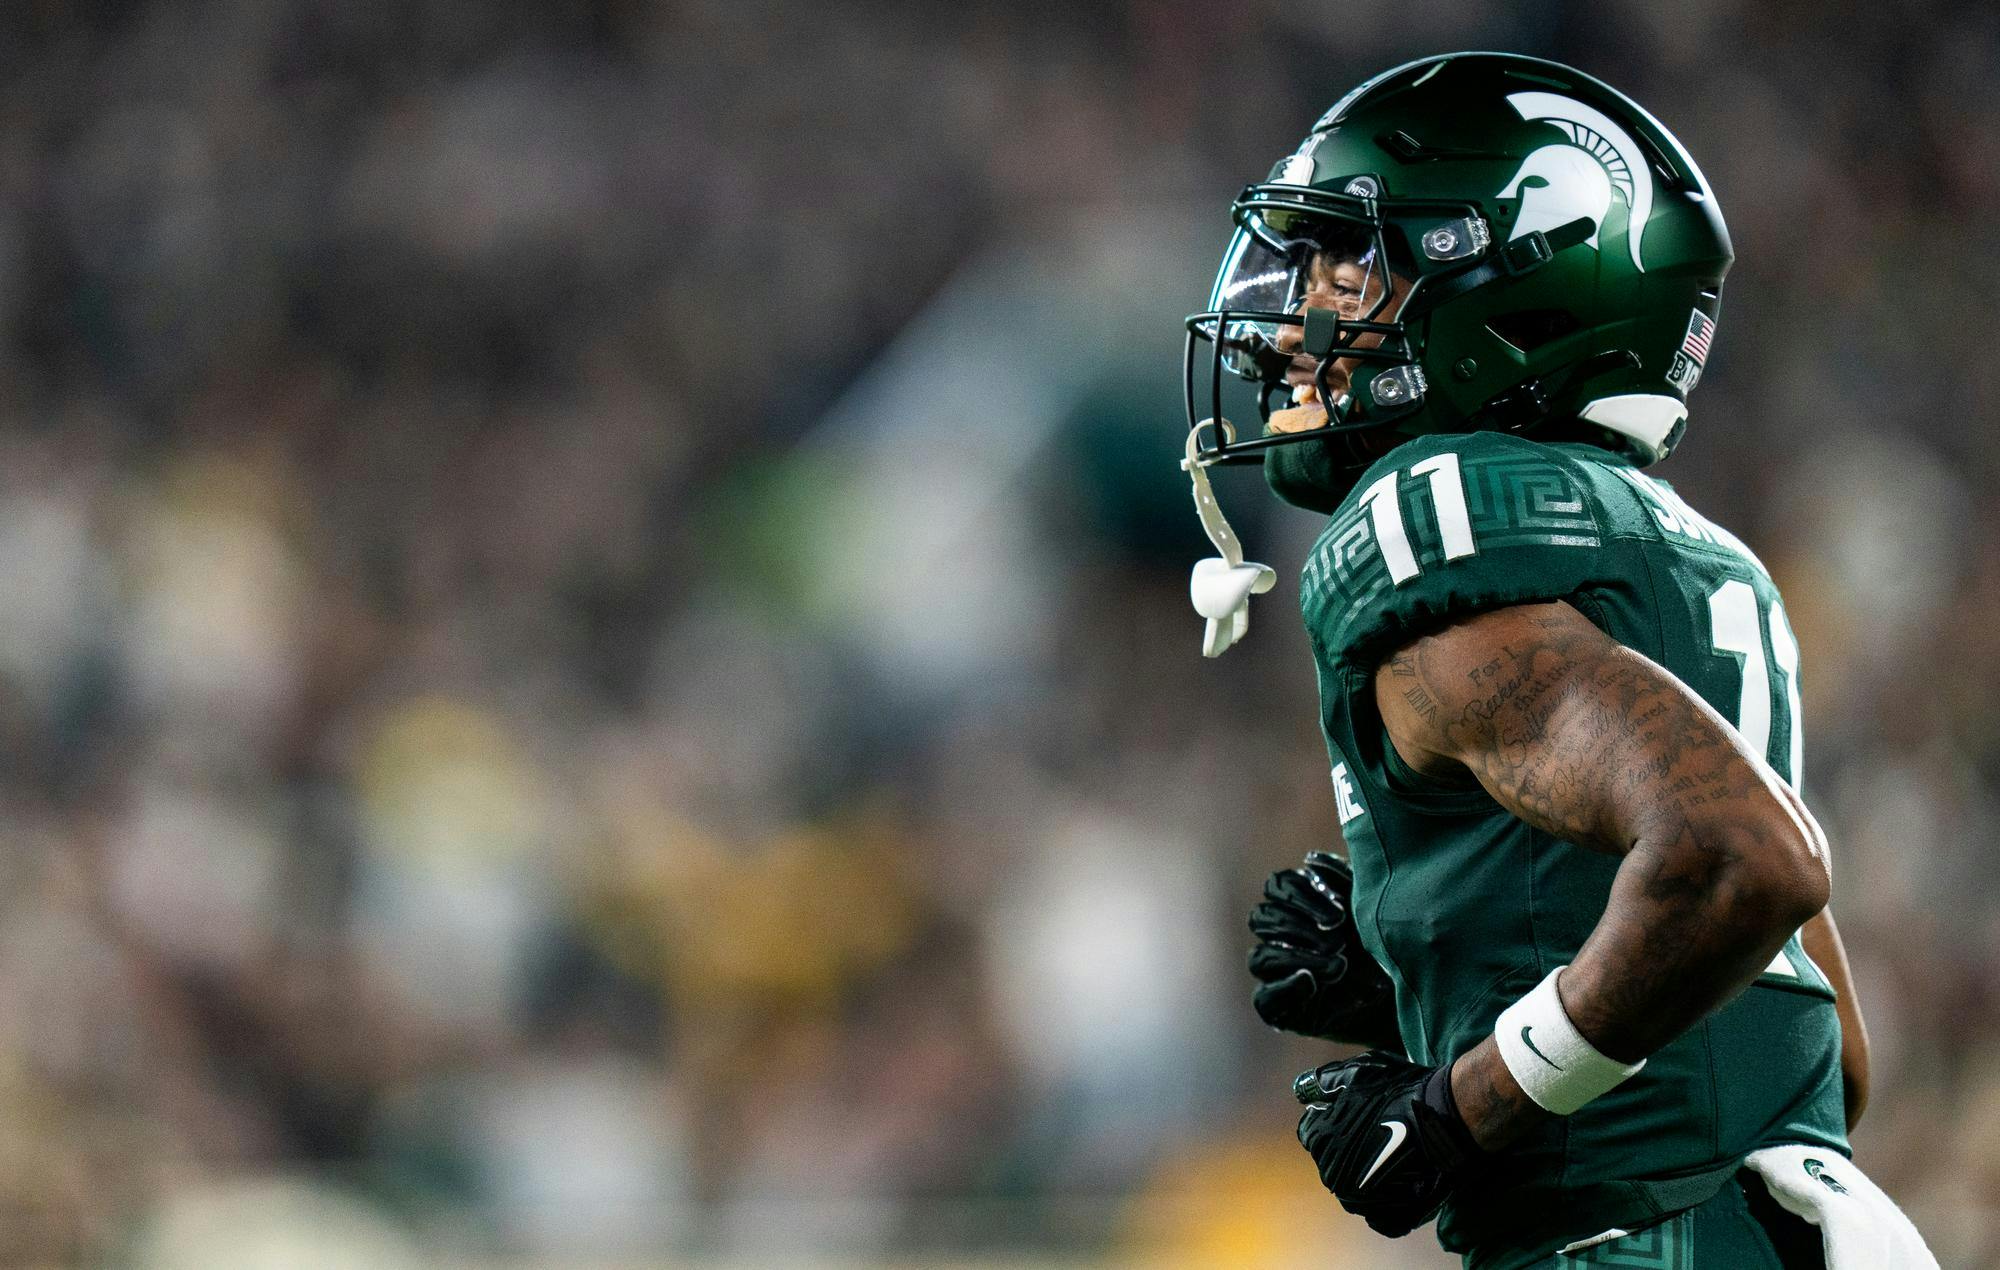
(1562,254)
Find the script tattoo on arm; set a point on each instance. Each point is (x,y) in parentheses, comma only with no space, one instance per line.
(1592,742)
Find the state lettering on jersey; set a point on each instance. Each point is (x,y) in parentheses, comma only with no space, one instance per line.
(1345,804)
(1676,517)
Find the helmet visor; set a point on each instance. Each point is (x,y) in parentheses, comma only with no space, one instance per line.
(1263,281)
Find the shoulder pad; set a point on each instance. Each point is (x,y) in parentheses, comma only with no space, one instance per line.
(1446,526)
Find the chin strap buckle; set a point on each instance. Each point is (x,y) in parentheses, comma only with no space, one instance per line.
(1526,254)
(1531,251)
(1221,586)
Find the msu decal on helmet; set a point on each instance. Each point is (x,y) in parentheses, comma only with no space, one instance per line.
(1578,177)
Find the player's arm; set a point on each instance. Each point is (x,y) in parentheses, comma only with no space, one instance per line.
(1590,741)
(1822,943)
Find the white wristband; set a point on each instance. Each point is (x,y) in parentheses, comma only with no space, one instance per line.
(1556,1066)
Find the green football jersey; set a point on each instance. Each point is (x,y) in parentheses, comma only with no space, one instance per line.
(1467,907)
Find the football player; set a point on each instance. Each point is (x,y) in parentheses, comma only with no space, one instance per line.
(1583,918)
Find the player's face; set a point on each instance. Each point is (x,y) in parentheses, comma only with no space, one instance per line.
(1351,289)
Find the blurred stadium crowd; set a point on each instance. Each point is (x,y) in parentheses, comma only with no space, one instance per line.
(559,708)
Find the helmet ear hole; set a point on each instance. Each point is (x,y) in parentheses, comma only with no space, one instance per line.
(1529,329)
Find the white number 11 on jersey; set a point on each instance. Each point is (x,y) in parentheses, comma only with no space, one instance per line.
(1385,510)
(1733,621)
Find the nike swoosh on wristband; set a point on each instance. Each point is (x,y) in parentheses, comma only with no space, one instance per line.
(1397,1132)
(1530,1043)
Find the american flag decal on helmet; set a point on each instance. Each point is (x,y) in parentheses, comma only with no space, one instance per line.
(1700,331)
(1685,373)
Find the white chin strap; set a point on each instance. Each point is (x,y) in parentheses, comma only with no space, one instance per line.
(1222,585)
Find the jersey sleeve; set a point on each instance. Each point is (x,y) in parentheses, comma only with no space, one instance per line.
(1444,527)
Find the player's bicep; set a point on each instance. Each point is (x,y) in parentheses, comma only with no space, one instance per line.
(1563,726)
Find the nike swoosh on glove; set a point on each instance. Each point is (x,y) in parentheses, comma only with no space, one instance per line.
(1387,1138)
(1314,976)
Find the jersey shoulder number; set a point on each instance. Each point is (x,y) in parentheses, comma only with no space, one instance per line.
(1446,525)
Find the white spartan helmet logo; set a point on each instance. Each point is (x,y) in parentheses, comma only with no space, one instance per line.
(1576,179)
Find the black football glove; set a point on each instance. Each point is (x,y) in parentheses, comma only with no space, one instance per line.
(1387,1138)
(1314,977)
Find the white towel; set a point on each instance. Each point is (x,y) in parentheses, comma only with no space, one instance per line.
(1861,1227)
